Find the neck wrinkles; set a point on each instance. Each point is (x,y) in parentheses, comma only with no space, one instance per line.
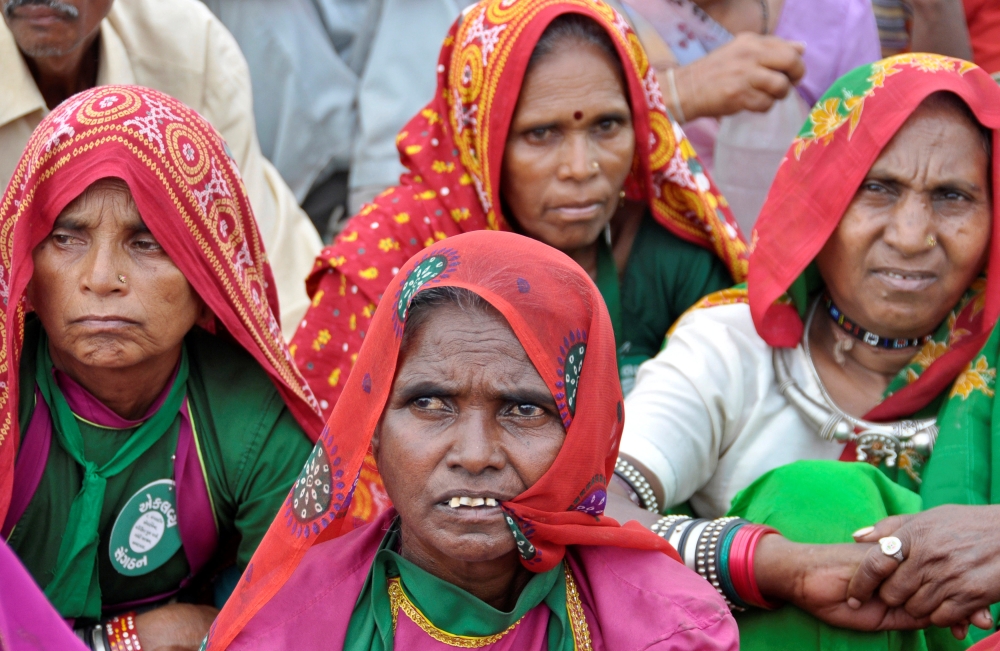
(498,582)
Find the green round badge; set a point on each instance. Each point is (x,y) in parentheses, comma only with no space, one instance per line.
(145,535)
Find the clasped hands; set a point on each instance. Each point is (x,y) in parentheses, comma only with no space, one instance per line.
(949,576)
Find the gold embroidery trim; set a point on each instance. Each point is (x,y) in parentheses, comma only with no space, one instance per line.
(398,601)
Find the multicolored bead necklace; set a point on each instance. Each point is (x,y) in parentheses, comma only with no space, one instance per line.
(867,336)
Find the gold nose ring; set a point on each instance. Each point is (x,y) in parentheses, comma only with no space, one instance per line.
(931,241)
(596,165)
(122,279)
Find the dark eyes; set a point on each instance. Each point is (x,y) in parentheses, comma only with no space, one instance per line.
(62,239)
(433,403)
(147,245)
(941,194)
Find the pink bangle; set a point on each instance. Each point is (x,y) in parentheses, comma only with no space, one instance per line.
(741,564)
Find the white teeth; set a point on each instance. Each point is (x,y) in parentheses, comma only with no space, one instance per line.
(464,500)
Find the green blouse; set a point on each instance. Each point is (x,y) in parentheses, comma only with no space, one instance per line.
(252,451)
(664,276)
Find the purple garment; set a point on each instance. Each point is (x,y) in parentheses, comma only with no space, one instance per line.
(840,35)
(633,600)
(28,622)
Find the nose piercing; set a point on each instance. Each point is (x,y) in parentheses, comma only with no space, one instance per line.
(595,165)
(122,279)
(931,241)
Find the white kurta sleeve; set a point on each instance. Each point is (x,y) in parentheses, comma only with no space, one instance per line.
(688,402)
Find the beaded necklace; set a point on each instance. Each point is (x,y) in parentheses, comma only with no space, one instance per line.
(870,338)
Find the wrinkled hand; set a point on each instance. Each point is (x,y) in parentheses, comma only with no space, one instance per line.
(175,627)
(951,571)
(748,73)
(815,578)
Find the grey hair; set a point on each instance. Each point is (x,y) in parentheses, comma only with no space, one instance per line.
(425,302)
(575,27)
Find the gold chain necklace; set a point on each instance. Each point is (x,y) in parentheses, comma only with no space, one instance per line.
(398,601)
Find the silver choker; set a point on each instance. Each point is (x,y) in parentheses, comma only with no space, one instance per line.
(907,442)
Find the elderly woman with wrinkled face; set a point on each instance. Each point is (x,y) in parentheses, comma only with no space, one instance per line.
(154,418)
(486,388)
(853,379)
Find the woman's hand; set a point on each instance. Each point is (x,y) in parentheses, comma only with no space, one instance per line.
(175,627)
(748,73)
(815,578)
(951,571)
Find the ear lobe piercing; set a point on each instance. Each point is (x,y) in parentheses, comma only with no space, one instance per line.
(122,279)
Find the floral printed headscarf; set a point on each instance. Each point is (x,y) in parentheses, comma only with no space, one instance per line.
(189,193)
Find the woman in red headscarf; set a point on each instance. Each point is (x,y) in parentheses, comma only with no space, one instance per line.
(138,326)
(547,120)
(486,387)
(867,333)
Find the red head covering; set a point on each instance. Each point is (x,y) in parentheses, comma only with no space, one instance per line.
(560,319)
(188,192)
(453,150)
(844,134)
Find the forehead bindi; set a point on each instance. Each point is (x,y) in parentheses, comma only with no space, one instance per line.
(578,115)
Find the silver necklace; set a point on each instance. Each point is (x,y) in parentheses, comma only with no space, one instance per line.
(908,442)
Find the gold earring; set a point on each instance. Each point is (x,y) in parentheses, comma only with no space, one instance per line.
(931,241)
(621,198)
(122,279)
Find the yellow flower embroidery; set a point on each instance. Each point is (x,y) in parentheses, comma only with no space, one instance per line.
(978,376)
(431,115)
(388,244)
(465,179)
(426,195)
(343,285)
(429,241)
(292,349)
(402,134)
(352,323)
(321,339)
(439,235)
(929,353)
(413,149)
(317,298)
(441,167)
(371,273)
(368,310)
(350,237)
(460,214)
(334,378)
(337,261)
(402,218)
(367,209)
(387,192)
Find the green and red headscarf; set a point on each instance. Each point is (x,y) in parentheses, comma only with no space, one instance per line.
(560,319)
(843,135)
(188,192)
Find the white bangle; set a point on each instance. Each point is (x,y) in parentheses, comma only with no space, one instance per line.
(675,98)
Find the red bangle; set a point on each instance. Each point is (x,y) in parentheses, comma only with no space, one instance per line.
(122,635)
(741,567)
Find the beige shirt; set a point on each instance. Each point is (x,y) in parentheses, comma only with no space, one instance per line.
(178,47)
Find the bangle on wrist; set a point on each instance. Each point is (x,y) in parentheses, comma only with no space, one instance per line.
(638,483)
(675,98)
(741,565)
(121,633)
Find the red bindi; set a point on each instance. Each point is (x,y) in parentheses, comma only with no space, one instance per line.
(578,115)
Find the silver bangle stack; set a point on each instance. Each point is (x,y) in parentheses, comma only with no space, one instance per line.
(631,476)
(698,542)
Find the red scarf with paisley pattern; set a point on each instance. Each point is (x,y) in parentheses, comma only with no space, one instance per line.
(189,193)
(560,319)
